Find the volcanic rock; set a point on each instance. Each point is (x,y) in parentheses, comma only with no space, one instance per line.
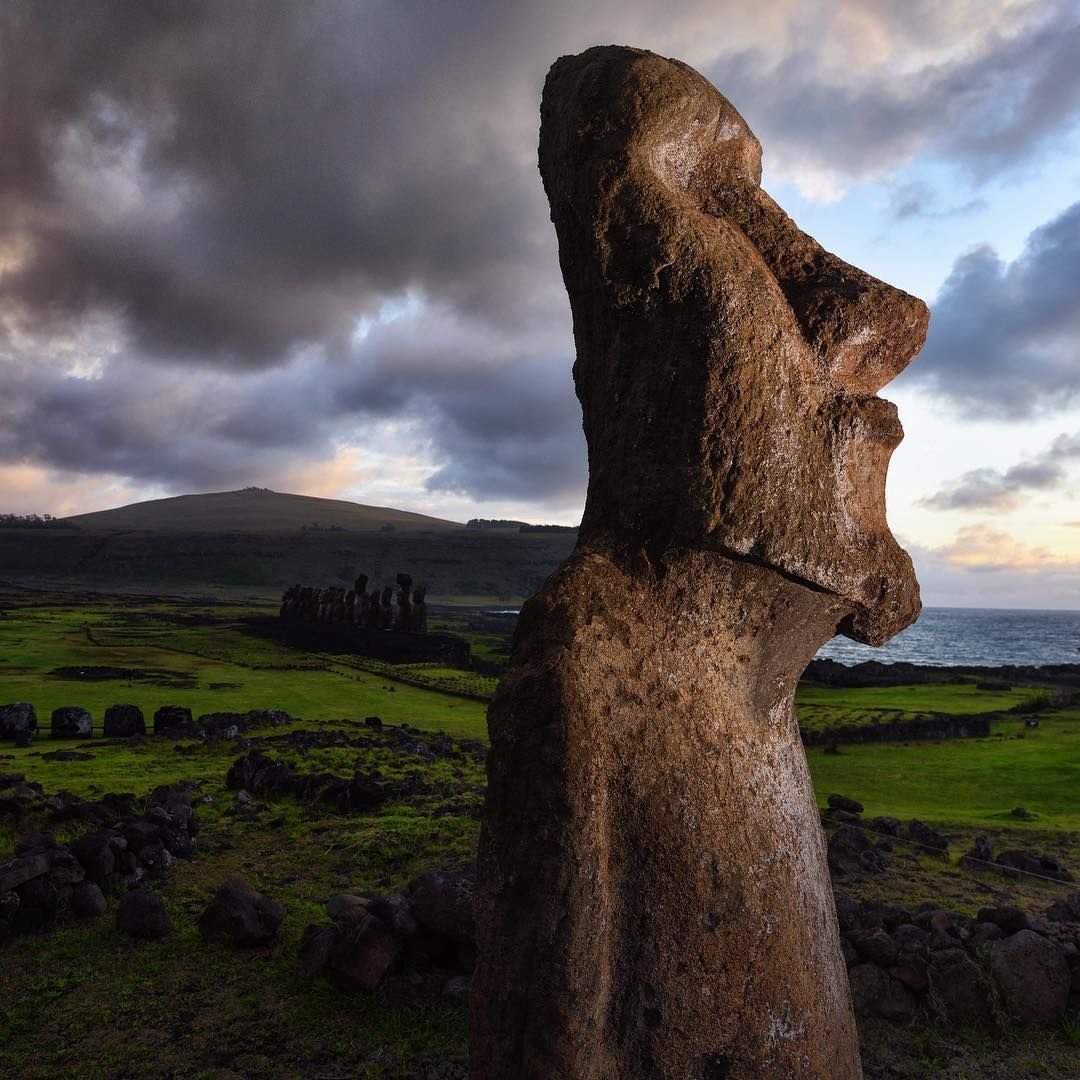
(171,718)
(842,802)
(88,901)
(1032,976)
(876,993)
(442,901)
(71,722)
(364,955)
(957,987)
(649,811)
(17,719)
(141,914)
(123,721)
(241,915)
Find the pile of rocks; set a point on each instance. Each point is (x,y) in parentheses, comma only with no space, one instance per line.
(18,722)
(1000,964)
(122,848)
(423,934)
(259,774)
(176,721)
(859,847)
(1014,862)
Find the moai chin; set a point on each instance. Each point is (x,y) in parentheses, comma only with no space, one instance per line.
(653,899)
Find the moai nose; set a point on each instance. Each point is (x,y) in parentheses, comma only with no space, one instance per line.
(862,331)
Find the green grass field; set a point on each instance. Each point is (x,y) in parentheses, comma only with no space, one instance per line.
(208,668)
(824,707)
(974,782)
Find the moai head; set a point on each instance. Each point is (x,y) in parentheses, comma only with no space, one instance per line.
(726,363)
(360,585)
(418,594)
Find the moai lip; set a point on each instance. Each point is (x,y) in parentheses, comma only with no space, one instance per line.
(653,898)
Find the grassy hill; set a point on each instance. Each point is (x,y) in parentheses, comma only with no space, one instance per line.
(257,510)
(259,539)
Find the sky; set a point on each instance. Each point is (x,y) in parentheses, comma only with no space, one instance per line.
(305,247)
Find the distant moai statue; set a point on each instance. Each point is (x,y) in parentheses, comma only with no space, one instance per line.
(374,611)
(290,603)
(404,600)
(653,897)
(419,610)
(338,613)
(386,609)
(359,605)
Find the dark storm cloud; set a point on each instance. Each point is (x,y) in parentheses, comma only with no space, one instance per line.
(236,185)
(1004,338)
(292,165)
(989,489)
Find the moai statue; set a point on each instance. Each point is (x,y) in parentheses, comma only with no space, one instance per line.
(404,600)
(338,612)
(653,899)
(374,612)
(419,610)
(360,585)
(386,609)
(289,602)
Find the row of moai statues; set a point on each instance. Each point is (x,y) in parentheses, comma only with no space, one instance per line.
(379,609)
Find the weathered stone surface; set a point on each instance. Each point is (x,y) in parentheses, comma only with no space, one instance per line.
(24,868)
(141,914)
(876,946)
(1010,919)
(851,851)
(171,717)
(889,826)
(1065,910)
(1033,977)
(876,993)
(241,915)
(71,722)
(64,868)
(123,721)
(1027,863)
(842,802)
(957,988)
(927,838)
(17,719)
(442,901)
(316,948)
(911,968)
(364,955)
(88,901)
(650,836)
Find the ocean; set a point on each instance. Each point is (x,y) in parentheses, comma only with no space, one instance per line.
(984,637)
